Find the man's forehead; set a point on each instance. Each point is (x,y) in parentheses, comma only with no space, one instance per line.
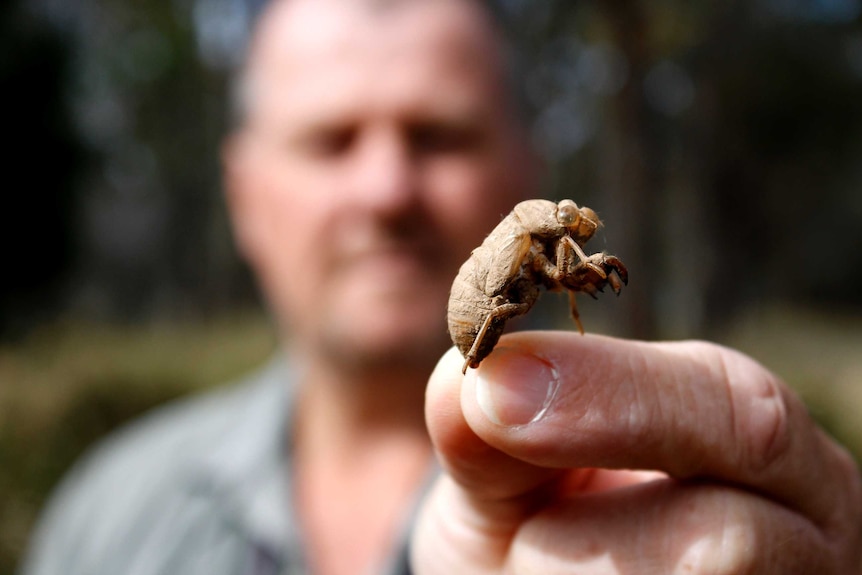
(302,29)
(348,43)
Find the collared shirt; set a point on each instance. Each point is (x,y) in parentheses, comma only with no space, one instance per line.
(199,487)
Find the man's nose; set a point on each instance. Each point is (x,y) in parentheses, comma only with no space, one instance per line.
(386,175)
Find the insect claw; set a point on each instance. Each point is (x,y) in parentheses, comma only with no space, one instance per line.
(616,265)
(614,280)
(599,271)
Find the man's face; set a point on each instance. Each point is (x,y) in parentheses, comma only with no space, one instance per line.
(378,150)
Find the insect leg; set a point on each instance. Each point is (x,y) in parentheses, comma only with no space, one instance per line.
(567,242)
(576,316)
(504,311)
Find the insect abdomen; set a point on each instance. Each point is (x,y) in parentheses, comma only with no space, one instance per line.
(468,307)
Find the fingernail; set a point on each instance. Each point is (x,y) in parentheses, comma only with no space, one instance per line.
(515,388)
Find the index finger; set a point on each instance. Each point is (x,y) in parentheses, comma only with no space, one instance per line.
(545,401)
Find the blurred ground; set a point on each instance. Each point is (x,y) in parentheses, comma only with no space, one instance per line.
(67,385)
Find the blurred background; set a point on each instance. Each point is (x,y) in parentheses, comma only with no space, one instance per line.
(721,142)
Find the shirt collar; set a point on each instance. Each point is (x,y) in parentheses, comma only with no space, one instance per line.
(248,471)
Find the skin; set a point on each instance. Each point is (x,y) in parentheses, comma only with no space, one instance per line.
(539,444)
(377,149)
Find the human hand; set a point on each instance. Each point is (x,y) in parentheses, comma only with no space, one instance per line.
(586,454)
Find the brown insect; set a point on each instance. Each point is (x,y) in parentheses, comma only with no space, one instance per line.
(538,244)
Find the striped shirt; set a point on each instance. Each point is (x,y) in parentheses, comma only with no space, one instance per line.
(198,487)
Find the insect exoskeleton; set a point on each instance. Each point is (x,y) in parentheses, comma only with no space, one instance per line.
(540,243)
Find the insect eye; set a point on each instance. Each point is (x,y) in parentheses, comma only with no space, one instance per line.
(568,214)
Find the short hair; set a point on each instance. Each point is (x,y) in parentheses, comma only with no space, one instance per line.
(511,57)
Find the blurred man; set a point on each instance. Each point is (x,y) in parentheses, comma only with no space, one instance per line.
(377,144)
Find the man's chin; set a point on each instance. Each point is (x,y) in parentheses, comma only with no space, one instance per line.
(380,345)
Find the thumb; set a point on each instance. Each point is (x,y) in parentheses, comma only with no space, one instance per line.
(481,469)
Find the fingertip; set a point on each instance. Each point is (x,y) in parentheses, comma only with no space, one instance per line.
(442,395)
(449,362)
(447,371)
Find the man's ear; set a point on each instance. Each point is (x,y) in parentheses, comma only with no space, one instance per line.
(238,184)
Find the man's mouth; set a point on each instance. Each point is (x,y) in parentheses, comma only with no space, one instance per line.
(390,264)
(403,270)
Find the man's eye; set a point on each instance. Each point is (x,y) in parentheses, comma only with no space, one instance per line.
(329,142)
(433,138)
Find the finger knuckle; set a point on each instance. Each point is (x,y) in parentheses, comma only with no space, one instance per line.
(846,525)
(727,553)
(849,471)
(726,545)
(761,410)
